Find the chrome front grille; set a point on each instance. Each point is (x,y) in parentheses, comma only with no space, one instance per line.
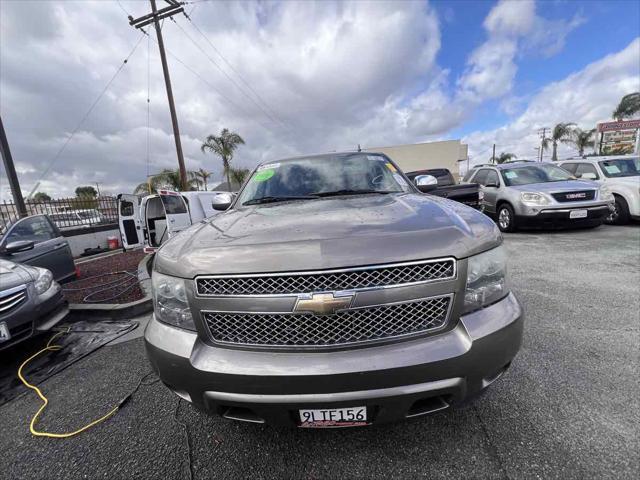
(343,327)
(577,196)
(11,299)
(326,280)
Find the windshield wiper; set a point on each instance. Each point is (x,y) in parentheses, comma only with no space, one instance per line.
(280,198)
(336,193)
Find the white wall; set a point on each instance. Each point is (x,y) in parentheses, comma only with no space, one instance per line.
(91,240)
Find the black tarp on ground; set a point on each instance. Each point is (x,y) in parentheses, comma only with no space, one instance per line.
(83,338)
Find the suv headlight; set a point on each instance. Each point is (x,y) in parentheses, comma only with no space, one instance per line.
(44,280)
(535,199)
(486,279)
(606,194)
(170,301)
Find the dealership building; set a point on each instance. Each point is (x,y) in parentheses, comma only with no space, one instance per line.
(420,156)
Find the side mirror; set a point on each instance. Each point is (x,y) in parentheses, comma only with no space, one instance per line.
(19,246)
(222,201)
(426,183)
(588,176)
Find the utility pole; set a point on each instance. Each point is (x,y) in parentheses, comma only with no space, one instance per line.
(10,168)
(542,133)
(493,155)
(154,17)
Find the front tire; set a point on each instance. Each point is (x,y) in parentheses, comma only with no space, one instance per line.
(620,216)
(506,219)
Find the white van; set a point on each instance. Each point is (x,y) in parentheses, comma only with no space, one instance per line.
(149,221)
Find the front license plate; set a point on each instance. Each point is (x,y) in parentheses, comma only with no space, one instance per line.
(4,332)
(334,417)
(578,214)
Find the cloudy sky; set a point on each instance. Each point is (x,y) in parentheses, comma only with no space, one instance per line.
(299,77)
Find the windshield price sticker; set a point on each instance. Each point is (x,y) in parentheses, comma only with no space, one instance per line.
(510,174)
(391,167)
(263,175)
(613,169)
(268,166)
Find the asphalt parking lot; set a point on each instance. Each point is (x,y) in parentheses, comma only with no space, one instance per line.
(568,407)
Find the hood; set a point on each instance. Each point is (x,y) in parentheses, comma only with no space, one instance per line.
(328,233)
(553,187)
(13,274)
(624,181)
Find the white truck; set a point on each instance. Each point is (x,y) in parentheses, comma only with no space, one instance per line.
(149,221)
(621,173)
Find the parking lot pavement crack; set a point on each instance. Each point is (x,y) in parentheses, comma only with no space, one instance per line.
(187,437)
(491,448)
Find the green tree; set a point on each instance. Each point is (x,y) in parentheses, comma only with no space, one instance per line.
(505,157)
(583,139)
(238,175)
(41,197)
(224,146)
(167,179)
(86,191)
(202,175)
(561,133)
(629,105)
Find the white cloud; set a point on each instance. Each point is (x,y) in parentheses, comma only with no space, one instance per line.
(513,28)
(335,73)
(585,97)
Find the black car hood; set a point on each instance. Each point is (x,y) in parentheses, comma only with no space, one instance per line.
(328,233)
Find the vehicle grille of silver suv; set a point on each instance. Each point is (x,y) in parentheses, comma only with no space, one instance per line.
(342,279)
(342,322)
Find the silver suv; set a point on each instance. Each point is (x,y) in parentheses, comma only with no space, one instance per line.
(524,194)
(331,292)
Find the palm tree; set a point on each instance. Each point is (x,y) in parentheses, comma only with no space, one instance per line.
(562,132)
(239,175)
(223,146)
(203,176)
(583,139)
(166,179)
(504,157)
(629,105)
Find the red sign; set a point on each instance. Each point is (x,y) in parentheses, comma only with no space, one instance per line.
(624,125)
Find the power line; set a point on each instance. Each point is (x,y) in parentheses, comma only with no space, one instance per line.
(216,89)
(225,73)
(86,115)
(235,71)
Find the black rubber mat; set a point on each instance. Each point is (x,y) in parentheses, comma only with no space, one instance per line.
(83,338)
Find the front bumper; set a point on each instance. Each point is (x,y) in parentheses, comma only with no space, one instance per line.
(37,314)
(394,381)
(561,217)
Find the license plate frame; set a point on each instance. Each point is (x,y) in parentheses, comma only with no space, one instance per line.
(5,334)
(333,417)
(573,214)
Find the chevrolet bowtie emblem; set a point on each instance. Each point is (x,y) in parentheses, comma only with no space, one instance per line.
(323,303)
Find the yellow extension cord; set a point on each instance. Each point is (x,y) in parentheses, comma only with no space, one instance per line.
(38,433)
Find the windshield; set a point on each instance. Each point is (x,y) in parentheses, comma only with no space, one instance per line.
(308,178)
(621,167)
(535,174)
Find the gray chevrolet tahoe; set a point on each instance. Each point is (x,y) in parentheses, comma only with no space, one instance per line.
(330,293)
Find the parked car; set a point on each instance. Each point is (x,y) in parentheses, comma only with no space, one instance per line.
(150,221)
(621,174)
(331,292)
(31,301)
(444,185)
(36,241)
(76,218)
(540,194)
